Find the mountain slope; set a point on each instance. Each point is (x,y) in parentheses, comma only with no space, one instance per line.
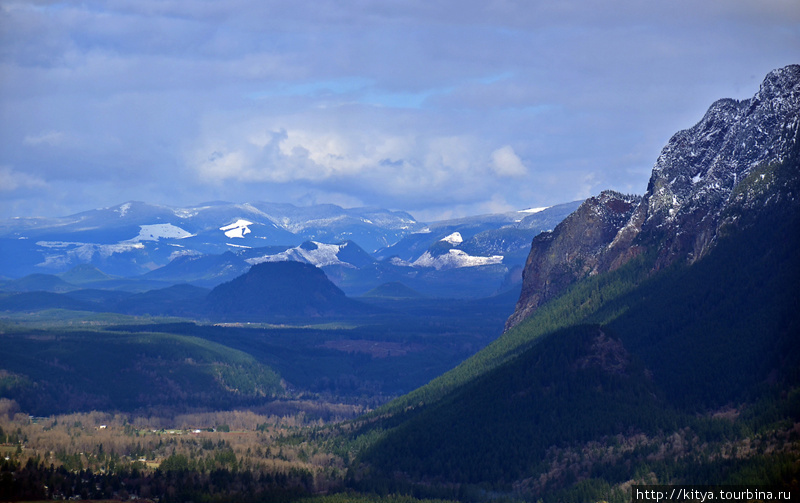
(677,330)
(656,361)
(693,182)
(505,234)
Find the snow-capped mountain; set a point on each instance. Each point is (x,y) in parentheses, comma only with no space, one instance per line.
(211,243)
(317,254)
(505,235)
(134,237)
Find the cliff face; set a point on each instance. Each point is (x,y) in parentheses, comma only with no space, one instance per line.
(700,175)
(571,251)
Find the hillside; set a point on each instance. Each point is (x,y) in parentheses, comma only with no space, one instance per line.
(691,340)
(63,370)
(624,370)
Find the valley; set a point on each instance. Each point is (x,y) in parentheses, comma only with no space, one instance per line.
(559,354)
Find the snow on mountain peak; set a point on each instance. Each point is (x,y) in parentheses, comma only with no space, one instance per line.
(155,231)
(454,238)
(535,210)
(315,253)
(455,259)
(237,229)
(124,209)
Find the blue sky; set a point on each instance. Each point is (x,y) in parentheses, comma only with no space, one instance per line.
(441,108)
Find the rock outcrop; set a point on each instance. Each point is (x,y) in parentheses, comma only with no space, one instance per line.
(701,173)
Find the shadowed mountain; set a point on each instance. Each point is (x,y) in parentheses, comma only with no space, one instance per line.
(201,270)
(38,301)
(83,274)
(280,291)
(37,282)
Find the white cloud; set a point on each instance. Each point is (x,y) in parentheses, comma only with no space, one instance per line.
(506,163)
(51,138)
(11,180)
(380,159)
(413,105)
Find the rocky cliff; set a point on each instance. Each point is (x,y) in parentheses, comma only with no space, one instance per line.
(722,162)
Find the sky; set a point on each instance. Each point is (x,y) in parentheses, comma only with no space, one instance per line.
(440,108)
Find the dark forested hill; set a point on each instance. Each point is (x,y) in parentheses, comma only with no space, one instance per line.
(273,291)
(67,370)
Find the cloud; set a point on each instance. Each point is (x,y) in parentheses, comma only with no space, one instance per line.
(440,107)
(11,180)
(507,164)
(381,162)
(51,138)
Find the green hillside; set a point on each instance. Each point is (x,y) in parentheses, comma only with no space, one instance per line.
(58,370)
(620,356)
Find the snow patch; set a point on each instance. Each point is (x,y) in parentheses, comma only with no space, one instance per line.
(237,229)
(455,259)
(399,262)
(454,238)
(184,213)
(321,256)
(154,232)
(534,210)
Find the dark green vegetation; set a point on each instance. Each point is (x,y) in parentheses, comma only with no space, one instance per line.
(58,361)
(54,371)
(677,376)
(173,484)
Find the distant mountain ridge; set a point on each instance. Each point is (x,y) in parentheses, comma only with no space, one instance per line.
(137,246)
(700,174)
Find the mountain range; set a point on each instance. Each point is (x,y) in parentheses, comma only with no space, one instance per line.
(137,247)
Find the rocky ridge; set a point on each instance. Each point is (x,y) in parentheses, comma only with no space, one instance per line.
(721,162)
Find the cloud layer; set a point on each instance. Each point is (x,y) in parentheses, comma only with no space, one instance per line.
(440,108)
